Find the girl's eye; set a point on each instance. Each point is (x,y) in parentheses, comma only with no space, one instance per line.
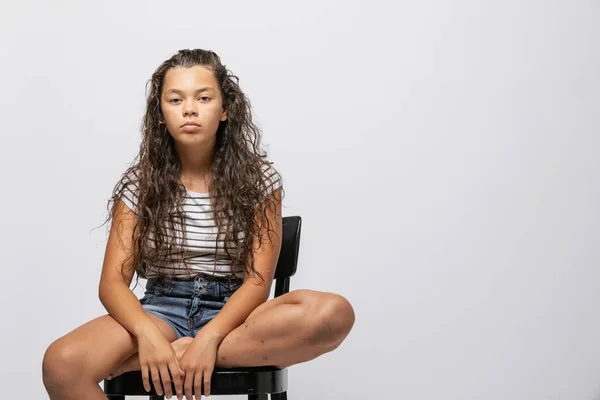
(203,99)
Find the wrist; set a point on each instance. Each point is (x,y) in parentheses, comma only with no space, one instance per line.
(210,336)
(144,328)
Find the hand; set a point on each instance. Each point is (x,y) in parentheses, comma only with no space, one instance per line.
(158,358)
(198,364)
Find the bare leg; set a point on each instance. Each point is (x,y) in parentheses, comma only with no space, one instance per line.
(290,329)
(74,364)
(133,362)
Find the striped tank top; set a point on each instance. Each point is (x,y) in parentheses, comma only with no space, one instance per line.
(204,253)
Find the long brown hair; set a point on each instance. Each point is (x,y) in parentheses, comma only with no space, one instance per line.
(237,188)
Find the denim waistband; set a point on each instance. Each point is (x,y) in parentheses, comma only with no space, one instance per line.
(187,288)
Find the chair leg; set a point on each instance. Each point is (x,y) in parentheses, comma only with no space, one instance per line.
(279,396)
(258,397)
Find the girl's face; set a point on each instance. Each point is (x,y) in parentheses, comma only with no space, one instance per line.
(191,104)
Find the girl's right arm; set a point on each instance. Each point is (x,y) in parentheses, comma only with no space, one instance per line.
(157,357)
(115,295)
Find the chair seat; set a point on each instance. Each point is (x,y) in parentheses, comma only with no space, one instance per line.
(231,381)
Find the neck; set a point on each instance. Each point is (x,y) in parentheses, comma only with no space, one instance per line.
(196,162)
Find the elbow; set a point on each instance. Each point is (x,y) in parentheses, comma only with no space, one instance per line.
(103,288)
(106,289)
(102,293)
(258,290)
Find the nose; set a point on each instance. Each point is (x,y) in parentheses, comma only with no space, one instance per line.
(189,108)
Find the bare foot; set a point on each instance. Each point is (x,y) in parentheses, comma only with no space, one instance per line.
(133,362)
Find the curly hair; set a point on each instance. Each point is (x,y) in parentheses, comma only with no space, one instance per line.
(238,186)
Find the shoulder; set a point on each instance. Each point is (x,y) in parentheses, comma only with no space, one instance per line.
(272,177)
(127,188)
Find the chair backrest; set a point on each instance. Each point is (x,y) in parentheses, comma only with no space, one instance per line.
(288,255)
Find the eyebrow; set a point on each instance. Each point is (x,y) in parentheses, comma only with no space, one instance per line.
(202,89)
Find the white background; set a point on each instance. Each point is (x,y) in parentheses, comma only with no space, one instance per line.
(442,154)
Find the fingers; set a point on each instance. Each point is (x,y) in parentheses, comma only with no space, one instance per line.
(193,383)
(176,374)
(187,385)
(161,377)
(166,381)
(156,380)
(207,378)
(198,384)
(145,378)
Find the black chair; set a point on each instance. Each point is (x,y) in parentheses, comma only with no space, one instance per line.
(255,382)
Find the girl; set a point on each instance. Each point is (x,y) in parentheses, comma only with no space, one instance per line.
(199,215)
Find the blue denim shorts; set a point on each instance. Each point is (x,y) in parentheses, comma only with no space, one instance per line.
(187,305)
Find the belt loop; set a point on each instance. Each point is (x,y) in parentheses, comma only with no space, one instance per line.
(197,284)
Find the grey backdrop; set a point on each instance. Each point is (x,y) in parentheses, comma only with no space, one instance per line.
(442,155)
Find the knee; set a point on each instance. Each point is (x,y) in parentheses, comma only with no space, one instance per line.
(60,365)
(338,310)
(333,319)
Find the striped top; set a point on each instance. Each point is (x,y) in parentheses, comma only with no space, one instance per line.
(204,253)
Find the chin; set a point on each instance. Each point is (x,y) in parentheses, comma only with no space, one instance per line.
(193,139)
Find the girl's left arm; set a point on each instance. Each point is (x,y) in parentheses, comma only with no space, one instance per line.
(254,291)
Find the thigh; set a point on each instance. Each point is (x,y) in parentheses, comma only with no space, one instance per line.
(299,296)
(97,347)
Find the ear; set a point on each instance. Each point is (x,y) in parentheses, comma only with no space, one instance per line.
(224,115)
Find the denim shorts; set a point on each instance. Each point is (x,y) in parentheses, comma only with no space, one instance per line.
(187,305)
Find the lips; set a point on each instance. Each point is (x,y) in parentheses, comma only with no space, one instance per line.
(190,127)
